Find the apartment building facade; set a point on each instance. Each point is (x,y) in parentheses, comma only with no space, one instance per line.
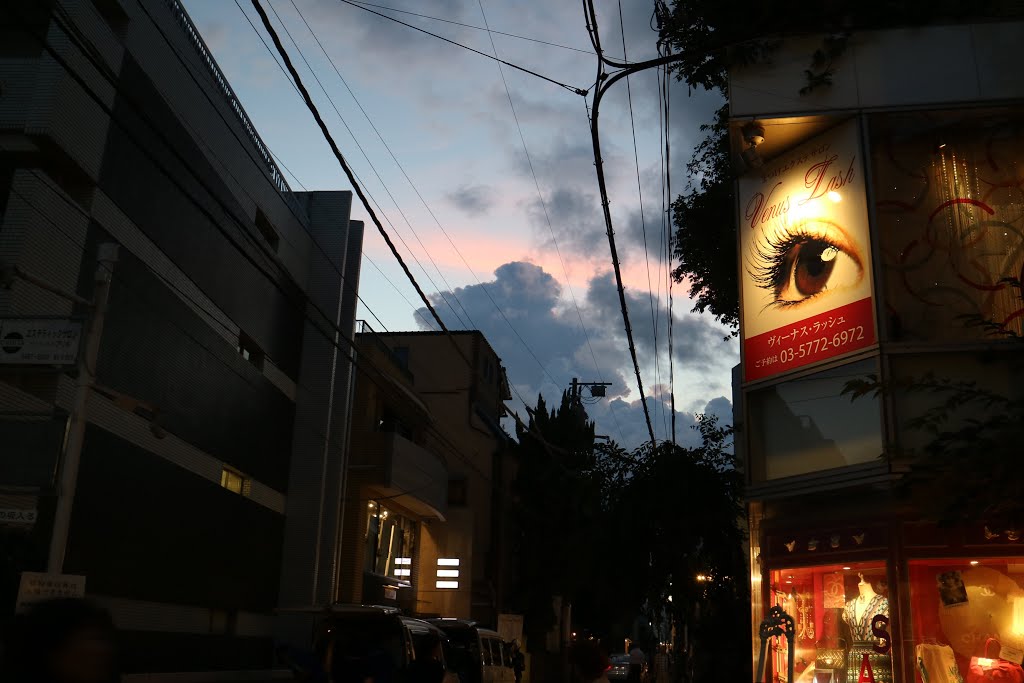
(429,476)
(212,463)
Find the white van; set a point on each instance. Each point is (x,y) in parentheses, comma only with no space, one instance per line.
(478,654)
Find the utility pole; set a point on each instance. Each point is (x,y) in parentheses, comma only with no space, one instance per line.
(106,257)
(604,81)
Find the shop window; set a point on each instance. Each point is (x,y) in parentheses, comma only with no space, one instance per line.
(998,373)
(841,613)
(965,611)
(389,541)
(950,220)
(806,425)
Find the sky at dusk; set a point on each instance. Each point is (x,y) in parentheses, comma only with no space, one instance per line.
(445,115)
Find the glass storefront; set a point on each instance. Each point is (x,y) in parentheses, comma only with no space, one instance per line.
(968,619)
(841,613)
(390,543)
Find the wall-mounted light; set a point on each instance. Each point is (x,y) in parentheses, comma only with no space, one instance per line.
(753,135)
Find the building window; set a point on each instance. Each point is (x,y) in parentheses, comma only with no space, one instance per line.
(390,543)
(841,613)
(249,350)
(401,356)
(947,188)
(457,492)
(235,481)
(807,425)
(957,605)
(267,230)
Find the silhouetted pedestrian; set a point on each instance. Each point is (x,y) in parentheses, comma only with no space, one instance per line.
(67,640)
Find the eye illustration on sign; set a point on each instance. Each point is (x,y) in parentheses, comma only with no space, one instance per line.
(806,261)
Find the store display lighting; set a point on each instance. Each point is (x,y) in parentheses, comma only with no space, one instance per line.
(974,563)
(846,569)
(835,196)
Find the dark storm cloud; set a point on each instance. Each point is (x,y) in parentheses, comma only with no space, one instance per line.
(574,217)
(698,342)
(473,199)
(631,425)
(530,299)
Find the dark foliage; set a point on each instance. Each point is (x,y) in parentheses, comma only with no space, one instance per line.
(705,222)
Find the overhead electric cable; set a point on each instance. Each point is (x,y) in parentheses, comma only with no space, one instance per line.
(477,28)
(669,250)
(643,225)
(134,291)
(355,186)
(543,204)
(344,164)
(373,168)
(336,333)
(605,83)
(570,88)
(415,189)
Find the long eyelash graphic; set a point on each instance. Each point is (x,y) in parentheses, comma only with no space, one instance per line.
(771,267)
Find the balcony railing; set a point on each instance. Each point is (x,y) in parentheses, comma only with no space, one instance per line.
(362,327)
(221,81)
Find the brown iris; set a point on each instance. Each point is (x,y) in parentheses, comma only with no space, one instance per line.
(811,264)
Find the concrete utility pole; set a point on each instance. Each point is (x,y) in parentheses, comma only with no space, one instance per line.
(106,257)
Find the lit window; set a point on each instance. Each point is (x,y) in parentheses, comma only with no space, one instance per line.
(234,481)
(448,562)
(446,585)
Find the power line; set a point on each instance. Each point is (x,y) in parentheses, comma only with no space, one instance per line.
(478,28)
(643,224)
(245,147)
(603,188)
(668,248)
(383,184)
(342,162)
(544,207)
(570,88)
(442,440)
(423,200)
(336,333)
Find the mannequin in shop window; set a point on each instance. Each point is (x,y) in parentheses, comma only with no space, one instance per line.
(858,615)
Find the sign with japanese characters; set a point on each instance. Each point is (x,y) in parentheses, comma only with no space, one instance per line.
(39,341)
(36,587)
(805,256)
(18,516)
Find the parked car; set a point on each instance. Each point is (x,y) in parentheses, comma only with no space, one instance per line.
(360,641)
(421,631)
(479,654)
(620,668)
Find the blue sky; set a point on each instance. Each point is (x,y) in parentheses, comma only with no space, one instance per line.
(444,113)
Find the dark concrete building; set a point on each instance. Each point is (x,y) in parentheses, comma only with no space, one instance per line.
(212,466)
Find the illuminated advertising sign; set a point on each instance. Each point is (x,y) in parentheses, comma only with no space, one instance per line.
(805,253)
